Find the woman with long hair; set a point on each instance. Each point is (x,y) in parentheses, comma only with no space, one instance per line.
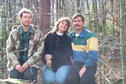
(57,53)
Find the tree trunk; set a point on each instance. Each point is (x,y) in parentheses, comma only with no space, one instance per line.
(45,16)
(123,38)
(35,17)
(96,16)
(88,15)
(104,18)
(78,6)
(57,9)
(27,4)
(12,11)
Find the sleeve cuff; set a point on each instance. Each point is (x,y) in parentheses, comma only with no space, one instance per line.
(15,62)
(29,61)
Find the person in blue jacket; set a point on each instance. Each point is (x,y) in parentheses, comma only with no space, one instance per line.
(85,53)
(57,53)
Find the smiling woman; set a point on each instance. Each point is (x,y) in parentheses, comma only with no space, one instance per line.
(65,21)
(101,17)
(57,53)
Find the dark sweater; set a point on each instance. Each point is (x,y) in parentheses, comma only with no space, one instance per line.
(60,49)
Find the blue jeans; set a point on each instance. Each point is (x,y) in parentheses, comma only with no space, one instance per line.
(59,77)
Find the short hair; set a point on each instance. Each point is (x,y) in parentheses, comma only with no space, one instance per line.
(24,10)
(78,15)
(58,22)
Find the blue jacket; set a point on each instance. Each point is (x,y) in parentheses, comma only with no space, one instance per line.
(85,47)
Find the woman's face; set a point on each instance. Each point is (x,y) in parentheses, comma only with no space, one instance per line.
(63,26)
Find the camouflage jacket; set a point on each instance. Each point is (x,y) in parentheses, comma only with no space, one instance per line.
(35,49)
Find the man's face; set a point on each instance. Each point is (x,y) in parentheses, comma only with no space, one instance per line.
(77,23)
(26,19)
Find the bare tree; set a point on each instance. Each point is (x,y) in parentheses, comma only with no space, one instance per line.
(89,18)
(78,6)
(96,15)
(45,16)
(35,17)
(123,38)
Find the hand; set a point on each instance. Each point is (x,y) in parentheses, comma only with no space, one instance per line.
(81,72)
(24,67)
(48,60)
(49,63)
(18,67)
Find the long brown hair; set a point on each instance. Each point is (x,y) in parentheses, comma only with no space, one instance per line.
(58,22)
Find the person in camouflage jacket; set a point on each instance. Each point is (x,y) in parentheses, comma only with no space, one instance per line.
(24,48)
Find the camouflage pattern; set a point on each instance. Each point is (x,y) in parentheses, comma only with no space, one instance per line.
(36,45)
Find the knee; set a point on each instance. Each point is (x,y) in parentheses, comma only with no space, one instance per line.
(12,75)
(88,79)
(48,77)
(15,74)
(72,78)
(60,80)
(62,71)
(61,74)
(30,74)
(49,80)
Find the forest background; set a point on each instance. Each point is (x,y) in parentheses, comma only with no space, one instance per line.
(106,18)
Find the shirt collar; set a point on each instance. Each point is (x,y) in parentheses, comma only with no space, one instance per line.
(21,30)
(81,34)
